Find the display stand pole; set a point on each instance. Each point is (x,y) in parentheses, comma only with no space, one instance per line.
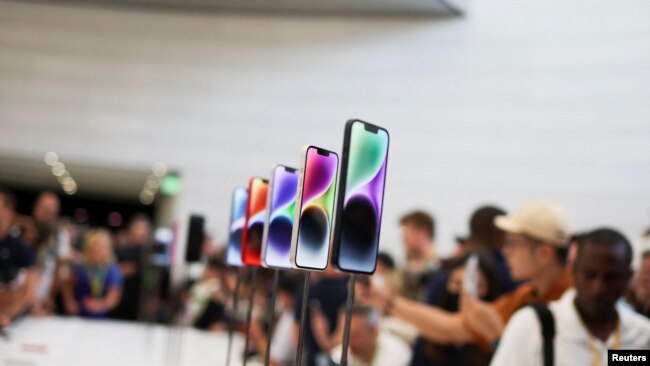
(173,334)
(233,317)
(303,316)
(251,298)
(348,317)
(274,293)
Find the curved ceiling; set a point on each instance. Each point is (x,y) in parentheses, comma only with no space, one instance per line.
(427,8)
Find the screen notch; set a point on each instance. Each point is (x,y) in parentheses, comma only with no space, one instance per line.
(322,152)
(370,128)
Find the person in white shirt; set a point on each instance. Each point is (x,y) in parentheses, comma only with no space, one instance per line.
(283,349)
(589,319)
(368,345)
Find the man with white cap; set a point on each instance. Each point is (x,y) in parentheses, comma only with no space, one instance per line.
(586,323)
(536,247)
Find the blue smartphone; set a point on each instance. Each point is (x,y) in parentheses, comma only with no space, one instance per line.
(236,227)
(281,204)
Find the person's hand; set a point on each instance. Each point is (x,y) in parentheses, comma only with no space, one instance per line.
(71,307)
(362,291)
(255,330)
(378,293)
(220,297)
(128,269)
(481,317)
(5,320)
(94,305)
(42,309)
(320,328)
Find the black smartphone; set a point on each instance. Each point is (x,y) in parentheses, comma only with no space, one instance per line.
(360,197)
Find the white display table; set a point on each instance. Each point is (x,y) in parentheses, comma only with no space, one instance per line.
(75,341)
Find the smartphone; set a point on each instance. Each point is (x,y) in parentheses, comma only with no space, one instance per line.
(254,223)
(236,227)
(310,239)
(281,206)
(163,238)
(470,278)
(360,198)
(195,239)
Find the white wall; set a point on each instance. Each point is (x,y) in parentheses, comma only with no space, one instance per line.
(520,100)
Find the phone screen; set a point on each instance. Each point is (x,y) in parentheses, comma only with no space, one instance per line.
(281,209)
(236,227)
(254,224)
(316,208)
(470,279)
(163,238)
(360,200)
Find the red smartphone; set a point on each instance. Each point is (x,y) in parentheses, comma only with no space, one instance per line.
(254,223)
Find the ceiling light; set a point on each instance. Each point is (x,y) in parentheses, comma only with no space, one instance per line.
(159,169)
(58,169)
(51,158)
(69,185)
(146,197)
(63,177)
(151,185)
(72,190)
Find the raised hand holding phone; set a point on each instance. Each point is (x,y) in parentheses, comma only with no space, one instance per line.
(470,278)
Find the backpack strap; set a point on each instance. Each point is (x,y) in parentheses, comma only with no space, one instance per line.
(548,331)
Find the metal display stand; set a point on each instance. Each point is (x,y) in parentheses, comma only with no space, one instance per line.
(231,326)
(251,299)
(274,293)
(301,334)
(348,317)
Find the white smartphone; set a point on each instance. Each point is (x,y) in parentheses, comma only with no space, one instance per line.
(312,226)
(470,280)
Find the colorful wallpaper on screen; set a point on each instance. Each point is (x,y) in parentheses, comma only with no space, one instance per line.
(283,205)
(316,210)
(255,216)
(237,218)
(364,192)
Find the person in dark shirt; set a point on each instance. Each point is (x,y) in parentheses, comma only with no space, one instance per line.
(327,293)
(17,292)
(485,238)
(422,260)
(131,260)
(433,354)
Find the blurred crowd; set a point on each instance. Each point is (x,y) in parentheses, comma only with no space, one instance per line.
(519,288)
(52,266)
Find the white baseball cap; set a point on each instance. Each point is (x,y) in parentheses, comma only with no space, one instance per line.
(542,220)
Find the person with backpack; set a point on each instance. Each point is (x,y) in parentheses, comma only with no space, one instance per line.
(587,321)
(537,240)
